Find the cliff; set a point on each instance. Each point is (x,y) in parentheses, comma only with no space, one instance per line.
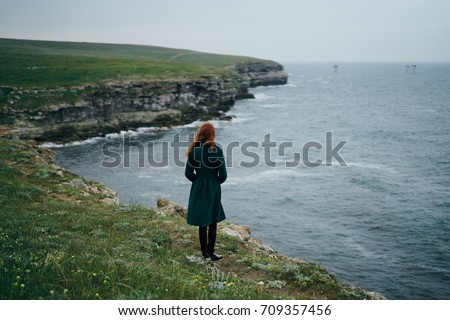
(261,73)
(117,106)
(64,237)
(97,109)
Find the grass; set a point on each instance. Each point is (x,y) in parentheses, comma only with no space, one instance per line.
(27,63)
(58,241)
(36,74)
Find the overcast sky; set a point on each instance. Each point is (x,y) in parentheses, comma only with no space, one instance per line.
(282,30)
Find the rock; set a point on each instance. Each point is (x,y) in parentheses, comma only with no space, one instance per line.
(109,195)
(105,194)
(165,207)
(376,295)
(93,190)
(261,73)
(162,202)
(258,245)
(79,184)
(237,231)
(111,201)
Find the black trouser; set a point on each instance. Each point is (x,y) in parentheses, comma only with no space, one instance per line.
(208,239)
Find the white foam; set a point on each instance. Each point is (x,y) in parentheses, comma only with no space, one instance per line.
(262,96)
(269,105)
(146,129)
(241,119)
(132,133)
(367,254)
(198,123)
(75,143)
(195,124)
(50,145)
(112,135)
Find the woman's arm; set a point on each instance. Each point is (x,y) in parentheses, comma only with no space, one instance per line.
(189,171)
(222,168)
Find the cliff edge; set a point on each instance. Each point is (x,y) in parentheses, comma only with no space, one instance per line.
(64,237)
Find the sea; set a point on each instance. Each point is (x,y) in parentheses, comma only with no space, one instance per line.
(347,169)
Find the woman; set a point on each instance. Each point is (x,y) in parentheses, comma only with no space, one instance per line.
(206,170)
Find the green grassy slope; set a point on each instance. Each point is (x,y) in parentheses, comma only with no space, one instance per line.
(48,64)
(58,241)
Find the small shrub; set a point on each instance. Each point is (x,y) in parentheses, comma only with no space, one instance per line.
(277,284)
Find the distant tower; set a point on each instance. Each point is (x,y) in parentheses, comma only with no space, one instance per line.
(335,67)
(407,68)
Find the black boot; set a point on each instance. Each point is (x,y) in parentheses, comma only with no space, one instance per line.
(212,235)
(202,235)
(215,257)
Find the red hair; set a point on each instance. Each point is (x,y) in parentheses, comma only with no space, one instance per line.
(206,134)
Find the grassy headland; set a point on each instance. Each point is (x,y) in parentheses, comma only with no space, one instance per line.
(65,240)
(55,72)
(31,63)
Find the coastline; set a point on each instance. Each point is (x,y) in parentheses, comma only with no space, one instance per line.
(42,188)
(87,107)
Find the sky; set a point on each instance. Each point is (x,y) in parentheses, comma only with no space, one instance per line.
(284,30)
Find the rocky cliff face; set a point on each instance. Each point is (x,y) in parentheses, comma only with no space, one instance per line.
(261,73)
(118,106)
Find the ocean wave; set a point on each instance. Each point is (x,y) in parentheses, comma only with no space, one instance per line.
(198,123)
(368,254)
(50,145)
(370,166)
(75,143)
(267,175)
(131,133)
(392,261)
(217,123)
(181,182)
(321,80)
(269,105)
(152,178)
(262,96)
(195,124)
(241,119)
(93,140)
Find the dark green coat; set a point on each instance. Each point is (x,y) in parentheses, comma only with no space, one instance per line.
(206,170)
